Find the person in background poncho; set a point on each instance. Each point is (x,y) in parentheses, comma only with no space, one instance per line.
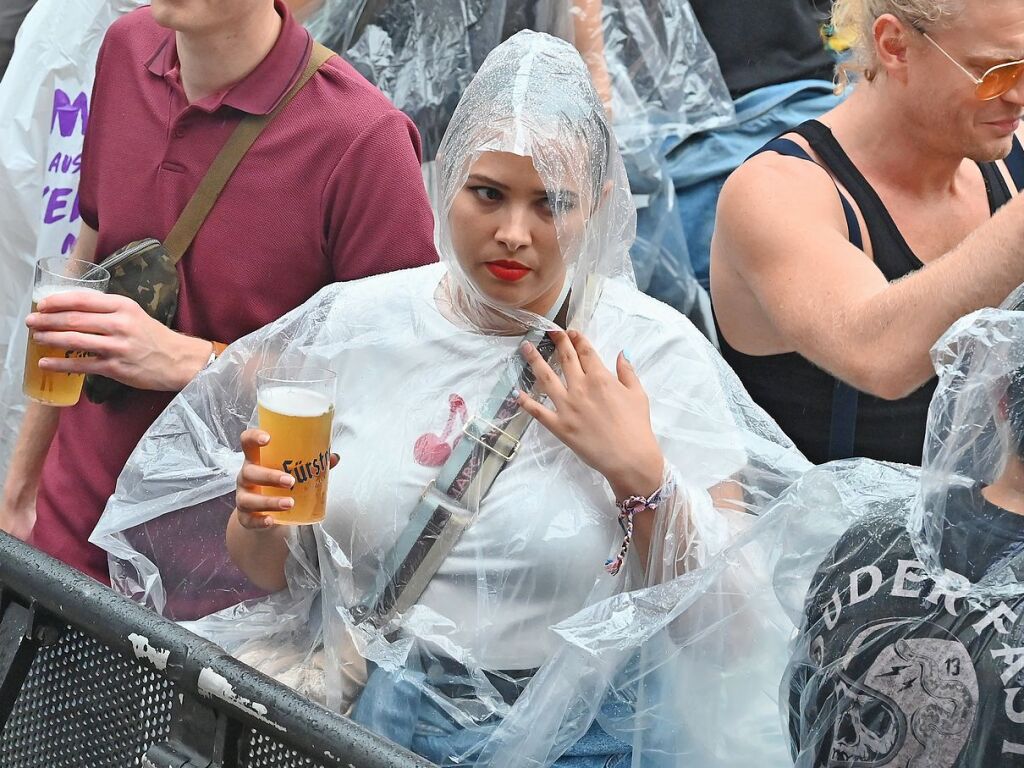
(911,644)
(537,223)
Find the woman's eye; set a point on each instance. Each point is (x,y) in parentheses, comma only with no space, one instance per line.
(487,194)
(559,205)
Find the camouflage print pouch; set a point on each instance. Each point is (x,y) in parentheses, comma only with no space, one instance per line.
(145,272)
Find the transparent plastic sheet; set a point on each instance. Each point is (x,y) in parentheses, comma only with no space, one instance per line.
(975,433)
(418,353)
(665,77)
(871,616)
(665,82)
(653,67)
(909,649)
(422,55)
(44,108)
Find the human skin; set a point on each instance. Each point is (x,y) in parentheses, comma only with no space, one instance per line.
(502,214)
(784,276)
(219,43)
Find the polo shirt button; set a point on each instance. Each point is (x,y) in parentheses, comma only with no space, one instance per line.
(179,132)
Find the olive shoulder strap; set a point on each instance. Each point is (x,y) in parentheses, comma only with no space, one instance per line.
(244,136)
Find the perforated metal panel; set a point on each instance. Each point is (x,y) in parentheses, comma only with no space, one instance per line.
(74,695)
(85,705)
(262,752)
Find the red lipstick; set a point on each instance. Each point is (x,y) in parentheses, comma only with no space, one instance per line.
(509,271)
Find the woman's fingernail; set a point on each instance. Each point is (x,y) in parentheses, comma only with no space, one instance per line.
(516,393)
(287,503)
(263,439)
(287,481)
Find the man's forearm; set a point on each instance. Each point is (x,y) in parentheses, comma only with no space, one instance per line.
(895,330)
(588,33)
(191,356)
(37,431)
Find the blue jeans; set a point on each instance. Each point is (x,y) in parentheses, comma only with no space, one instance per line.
(700,165)
(393,706)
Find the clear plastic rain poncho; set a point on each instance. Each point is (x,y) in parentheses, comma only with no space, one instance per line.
(659,77)
(663,73)
(891,631)
(910,647)
(522,638)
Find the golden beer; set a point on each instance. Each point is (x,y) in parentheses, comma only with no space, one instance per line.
(53,275)
(49,387)
(299,423)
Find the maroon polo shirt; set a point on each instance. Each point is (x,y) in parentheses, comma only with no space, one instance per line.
(331,190)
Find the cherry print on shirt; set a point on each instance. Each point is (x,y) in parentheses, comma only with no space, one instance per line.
(433,450)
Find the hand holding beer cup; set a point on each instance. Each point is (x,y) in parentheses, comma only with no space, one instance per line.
(53,276)
(284,477)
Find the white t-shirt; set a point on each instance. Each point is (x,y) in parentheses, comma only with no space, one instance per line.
(535,553)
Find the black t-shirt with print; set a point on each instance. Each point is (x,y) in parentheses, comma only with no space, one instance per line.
(891,671)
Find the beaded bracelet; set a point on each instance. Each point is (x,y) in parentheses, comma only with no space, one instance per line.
(628,509)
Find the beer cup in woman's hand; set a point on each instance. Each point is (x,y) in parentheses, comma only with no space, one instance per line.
(296,416)
(255,509)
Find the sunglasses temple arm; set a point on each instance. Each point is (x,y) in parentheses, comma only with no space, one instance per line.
(958,65)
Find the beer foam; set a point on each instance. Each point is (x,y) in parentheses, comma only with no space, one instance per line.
(294,401)
(41,292)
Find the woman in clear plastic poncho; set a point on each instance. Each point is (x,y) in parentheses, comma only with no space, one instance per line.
(894,622)
(536,226)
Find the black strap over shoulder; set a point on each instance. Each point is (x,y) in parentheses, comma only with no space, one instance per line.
(1015,164)
(843,427)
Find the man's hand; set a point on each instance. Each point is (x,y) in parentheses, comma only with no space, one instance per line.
(122,341)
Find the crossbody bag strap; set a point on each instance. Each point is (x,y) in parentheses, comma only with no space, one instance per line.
(842,437)
(445,509)
(244,136)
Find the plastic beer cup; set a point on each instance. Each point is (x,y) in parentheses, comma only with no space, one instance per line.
(54,275)
(296,407)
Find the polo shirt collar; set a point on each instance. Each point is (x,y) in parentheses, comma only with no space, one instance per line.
(263,88)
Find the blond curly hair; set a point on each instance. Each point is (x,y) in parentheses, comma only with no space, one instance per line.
(854,20)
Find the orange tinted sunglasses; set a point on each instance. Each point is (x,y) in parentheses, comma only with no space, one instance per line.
(995,82)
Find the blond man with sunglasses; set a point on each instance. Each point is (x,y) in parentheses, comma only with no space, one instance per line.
(843,250)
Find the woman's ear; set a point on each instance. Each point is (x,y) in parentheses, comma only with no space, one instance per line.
(606,191)
(1004,408)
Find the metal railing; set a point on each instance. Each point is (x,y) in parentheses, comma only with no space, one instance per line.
(88,678)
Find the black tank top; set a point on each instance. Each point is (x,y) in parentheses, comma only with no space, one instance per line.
(828,419)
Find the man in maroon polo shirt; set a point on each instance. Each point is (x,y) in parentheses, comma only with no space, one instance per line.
(330,191)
